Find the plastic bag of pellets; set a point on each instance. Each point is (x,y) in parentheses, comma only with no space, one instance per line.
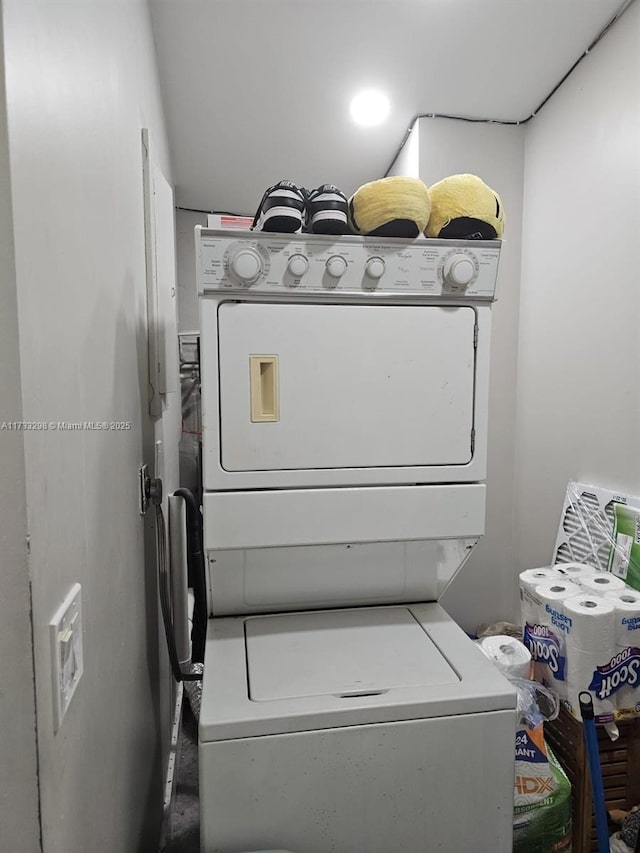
(542,797)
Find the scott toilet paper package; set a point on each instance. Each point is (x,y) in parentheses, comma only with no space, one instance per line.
(627,643)
(575,571)
(602,583)
(590,645)
(582,628)
(529,603)
(546,627)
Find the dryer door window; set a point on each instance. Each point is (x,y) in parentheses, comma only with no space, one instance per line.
(345,386)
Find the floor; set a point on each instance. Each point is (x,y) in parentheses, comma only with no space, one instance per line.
(183,832)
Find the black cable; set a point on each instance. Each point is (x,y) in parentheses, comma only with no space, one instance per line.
(600,35)
(165,598)
(195,558)
(413,121)
(216,212)
(407,134)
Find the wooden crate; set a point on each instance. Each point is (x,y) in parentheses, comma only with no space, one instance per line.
(620,761)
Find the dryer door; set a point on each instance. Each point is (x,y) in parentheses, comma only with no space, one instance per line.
(306,387)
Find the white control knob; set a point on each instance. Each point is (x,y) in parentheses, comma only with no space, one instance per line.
(374,268)
(298,265)
(246,265)
(336,266)
(458,270)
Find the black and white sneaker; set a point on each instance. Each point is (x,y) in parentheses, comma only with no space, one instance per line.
(327,209)
(283,209)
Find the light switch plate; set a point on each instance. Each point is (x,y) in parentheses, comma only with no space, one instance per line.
(65,631)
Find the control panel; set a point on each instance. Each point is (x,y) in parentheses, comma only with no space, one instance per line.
(349,265)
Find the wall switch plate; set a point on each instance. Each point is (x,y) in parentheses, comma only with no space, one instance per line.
(65,631)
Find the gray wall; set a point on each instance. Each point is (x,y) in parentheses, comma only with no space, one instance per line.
(81,83)
(484,589)
(579,368)
(19,827)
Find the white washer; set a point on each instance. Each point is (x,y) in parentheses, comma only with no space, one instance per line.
(344,445)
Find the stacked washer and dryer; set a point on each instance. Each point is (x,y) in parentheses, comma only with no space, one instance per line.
(344,407)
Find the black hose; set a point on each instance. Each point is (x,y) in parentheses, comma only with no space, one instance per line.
(196,569)
(165,599)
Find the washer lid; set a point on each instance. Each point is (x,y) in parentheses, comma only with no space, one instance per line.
(269,675)
(342,653)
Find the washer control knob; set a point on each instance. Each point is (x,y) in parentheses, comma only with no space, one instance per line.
(458,270)
(298,265)
(374,268)
(246,264)
(336,266)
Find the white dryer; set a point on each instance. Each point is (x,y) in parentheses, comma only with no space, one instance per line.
(344,407)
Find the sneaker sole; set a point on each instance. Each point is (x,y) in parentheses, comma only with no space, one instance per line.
(328,222)
(283,219)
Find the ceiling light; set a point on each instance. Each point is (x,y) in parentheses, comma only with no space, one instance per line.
(370,108)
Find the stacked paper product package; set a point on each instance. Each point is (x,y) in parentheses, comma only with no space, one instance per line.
(582,627)
(541,790)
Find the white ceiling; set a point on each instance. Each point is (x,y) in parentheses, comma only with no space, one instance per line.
(258,90)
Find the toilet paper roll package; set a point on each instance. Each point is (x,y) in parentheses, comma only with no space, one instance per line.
(582,628)
(529,580)
(575,571)
(508,654)
(590,648)
(545,630)
(601,583)
(627,640)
